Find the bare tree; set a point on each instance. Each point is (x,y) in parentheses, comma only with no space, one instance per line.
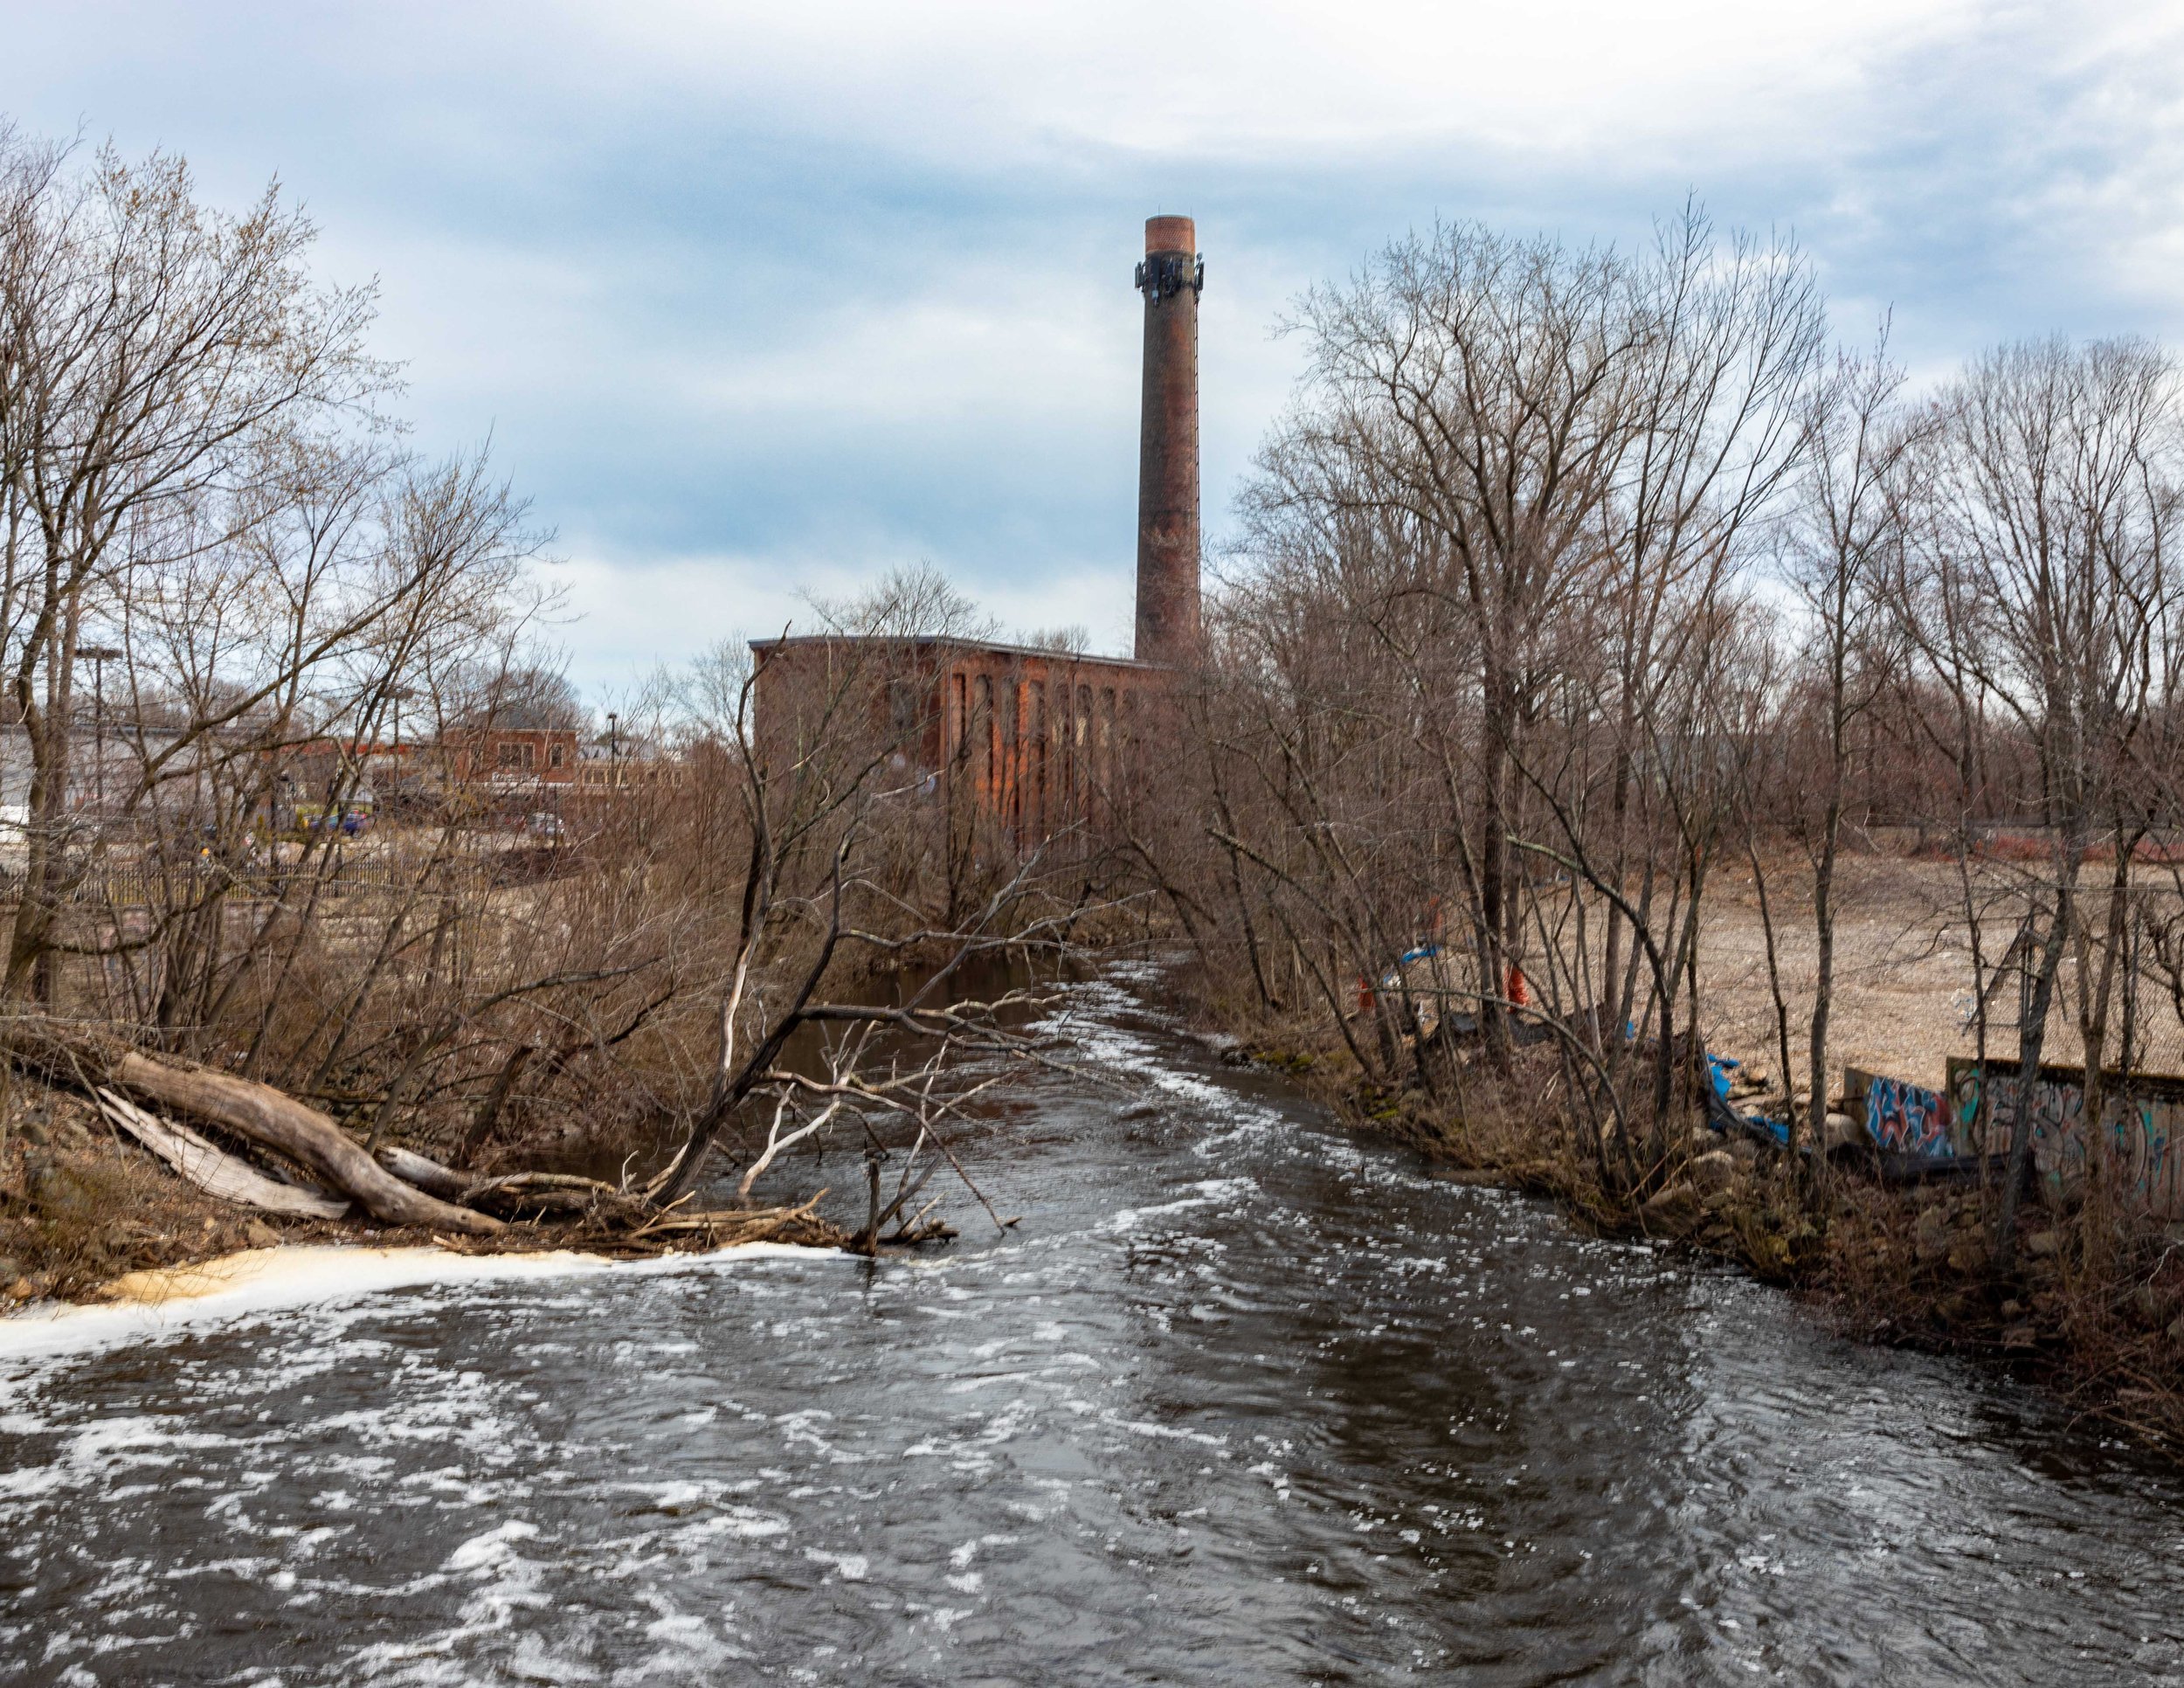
(1488,547)
(155,352)
(1844,544)
(2049,552)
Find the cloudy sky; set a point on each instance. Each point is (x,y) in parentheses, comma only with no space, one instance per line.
(753,298)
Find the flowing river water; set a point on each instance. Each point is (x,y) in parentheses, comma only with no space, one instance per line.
(1242,1400)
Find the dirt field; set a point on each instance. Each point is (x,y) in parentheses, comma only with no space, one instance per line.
(1903,977)
(1904,980)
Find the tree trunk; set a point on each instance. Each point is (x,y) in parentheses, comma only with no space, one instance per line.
(2031,1039)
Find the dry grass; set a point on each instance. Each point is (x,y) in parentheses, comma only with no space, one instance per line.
(78,1209)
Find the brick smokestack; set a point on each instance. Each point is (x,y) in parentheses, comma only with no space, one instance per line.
(1171,278)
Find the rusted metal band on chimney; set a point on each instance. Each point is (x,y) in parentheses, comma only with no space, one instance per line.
(1170,277)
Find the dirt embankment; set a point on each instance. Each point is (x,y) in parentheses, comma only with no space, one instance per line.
(78,1209)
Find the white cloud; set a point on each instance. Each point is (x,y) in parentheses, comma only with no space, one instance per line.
(757,297)
(1250,77)
(630,615)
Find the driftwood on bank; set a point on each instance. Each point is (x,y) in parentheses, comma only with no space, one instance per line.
(212,1169)
(400,1186)
(272,1119)
(425,1173)
(728,1227)
(518,1195)
(305,1136)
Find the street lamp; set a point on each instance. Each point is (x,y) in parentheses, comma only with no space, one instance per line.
(99,655)
(399,694)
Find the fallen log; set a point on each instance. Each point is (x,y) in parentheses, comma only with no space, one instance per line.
(515,1195)
(279,1121)
(541,1195)
(394,1188)
(540,1181)
(211,1168)
(731,1221)
(425,1173)
(541,1204)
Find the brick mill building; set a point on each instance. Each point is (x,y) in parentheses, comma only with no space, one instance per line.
(1037,740)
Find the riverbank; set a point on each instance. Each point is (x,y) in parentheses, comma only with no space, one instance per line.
(1903,1265)
(81,1213)
(86,1219)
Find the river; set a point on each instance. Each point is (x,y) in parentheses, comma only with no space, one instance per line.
(1241,1400)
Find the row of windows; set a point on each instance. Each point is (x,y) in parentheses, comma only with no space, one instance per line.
(522,754)
(629,774)
(974,711)
(1022,758)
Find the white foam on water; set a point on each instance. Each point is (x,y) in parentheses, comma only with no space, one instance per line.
(492,1547)
(1208,1193)
(850,1568)
(275,1280)
(687,1649)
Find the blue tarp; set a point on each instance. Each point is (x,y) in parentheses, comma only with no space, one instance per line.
(1722,1117)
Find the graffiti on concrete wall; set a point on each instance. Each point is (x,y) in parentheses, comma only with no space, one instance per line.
(2141,1129)
(1907,1119)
